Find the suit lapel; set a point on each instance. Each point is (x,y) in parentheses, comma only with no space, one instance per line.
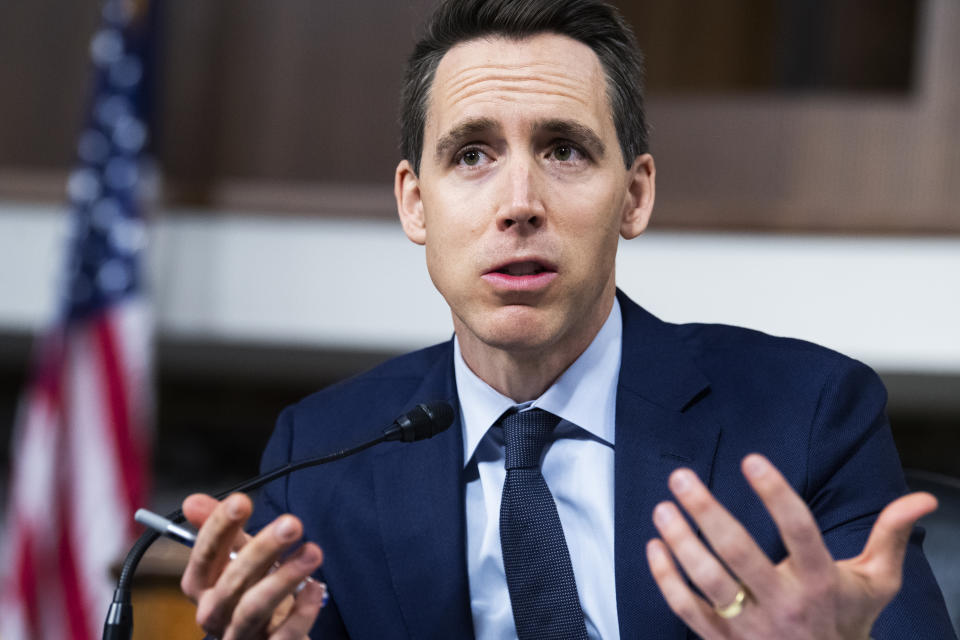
(420,503)
(660,425)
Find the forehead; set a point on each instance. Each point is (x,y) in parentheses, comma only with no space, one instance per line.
(543,76)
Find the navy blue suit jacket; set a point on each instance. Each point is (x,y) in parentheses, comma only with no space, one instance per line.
(391,520)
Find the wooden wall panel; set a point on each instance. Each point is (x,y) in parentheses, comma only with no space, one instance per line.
(703,45)
(290,107)
(292,91)
(820,162)
(43,79)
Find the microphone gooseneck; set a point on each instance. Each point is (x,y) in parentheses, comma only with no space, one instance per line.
(423,421)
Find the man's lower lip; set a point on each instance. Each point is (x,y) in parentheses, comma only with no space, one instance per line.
(530,282)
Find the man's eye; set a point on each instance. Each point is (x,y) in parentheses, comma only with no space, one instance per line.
(471,157)
(566,153)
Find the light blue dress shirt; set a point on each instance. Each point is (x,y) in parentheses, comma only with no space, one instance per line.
(578,468)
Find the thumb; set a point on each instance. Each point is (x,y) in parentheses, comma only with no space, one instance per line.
(882,557)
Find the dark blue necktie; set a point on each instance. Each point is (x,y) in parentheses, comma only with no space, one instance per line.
(540,579)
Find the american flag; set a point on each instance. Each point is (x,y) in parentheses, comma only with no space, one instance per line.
(82,438)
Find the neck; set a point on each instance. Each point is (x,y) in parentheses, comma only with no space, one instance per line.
(524,374)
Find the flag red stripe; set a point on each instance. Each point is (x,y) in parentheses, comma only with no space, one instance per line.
(72,587)
(27,584)
(128,455)
(74,596)
(46,372)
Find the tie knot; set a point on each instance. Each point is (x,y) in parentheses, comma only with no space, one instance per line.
(525,434)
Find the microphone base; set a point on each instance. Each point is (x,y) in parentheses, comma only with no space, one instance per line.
(119,622)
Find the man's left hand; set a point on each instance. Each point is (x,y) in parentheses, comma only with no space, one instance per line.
(807,595)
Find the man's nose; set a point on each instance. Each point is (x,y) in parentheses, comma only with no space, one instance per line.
(522,205)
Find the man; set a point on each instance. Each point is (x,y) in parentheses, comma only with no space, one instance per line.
(525,160)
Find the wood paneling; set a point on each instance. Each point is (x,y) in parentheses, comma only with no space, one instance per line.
(160,610)
(291,107)
(293,91)
(44,73)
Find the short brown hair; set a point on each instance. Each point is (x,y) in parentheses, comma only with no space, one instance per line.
(596,24)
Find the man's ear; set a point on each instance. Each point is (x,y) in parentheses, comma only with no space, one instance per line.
(406,189)
(638,206)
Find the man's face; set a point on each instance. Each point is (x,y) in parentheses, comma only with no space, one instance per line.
(522,192)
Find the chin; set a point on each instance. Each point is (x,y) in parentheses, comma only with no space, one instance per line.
(511,327)
(516,335)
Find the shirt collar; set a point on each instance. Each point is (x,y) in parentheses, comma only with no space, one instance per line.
(584,394)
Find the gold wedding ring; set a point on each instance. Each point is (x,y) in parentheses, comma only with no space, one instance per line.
(735,608)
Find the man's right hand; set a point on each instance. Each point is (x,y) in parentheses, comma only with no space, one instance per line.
(247,597)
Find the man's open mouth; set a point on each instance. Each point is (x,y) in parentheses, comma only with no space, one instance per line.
(522,269)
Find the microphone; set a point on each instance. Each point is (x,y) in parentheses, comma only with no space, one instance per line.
(423,421)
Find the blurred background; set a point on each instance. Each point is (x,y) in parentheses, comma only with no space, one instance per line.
(808,185)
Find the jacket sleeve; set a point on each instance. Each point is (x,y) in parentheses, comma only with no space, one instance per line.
(853,472)
(271,502)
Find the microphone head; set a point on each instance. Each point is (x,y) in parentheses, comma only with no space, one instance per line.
(441,416)
(423,421)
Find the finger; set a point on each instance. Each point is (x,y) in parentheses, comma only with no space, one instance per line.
(882,556)
(809,556)
(306,608)
(257,607)
(698,562)
(216,607)
(697,614)
(218,536)
(198,507)
(727,537)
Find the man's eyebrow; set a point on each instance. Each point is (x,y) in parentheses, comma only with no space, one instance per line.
(575,131)
(463,131)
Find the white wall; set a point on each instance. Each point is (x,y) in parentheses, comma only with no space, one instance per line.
(892,302)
